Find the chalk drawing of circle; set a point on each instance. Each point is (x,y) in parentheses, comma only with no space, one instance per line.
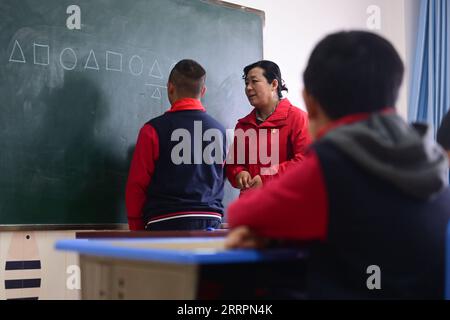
(63,64)
(132,66)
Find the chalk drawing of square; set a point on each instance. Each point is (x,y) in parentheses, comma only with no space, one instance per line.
(41,54)
(113,61)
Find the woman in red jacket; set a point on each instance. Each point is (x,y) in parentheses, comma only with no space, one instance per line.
(272,137)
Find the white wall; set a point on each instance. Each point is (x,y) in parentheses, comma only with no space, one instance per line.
(293,27)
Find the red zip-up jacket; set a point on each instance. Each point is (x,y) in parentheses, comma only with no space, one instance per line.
(301,197)
(289,124)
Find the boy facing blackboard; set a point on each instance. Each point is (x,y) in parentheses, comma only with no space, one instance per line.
(176,175)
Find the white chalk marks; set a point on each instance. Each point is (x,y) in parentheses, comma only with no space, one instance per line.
(133,65)
(70,61)
(41,54)
(155,70)
(17,53)
(141,64)
(156,89)
(157,94)
(91,62)
(114,61)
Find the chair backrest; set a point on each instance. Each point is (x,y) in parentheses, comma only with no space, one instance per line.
(447,264)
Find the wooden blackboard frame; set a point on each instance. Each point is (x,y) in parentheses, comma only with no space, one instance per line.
(261,13)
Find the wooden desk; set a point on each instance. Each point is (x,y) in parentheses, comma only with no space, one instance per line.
(185,268)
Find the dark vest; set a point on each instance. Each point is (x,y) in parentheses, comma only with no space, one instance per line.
(185,187)
(373,223)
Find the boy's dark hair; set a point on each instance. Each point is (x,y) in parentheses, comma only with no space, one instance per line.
(188,76)
(271,72)
(354,72)
(443,133)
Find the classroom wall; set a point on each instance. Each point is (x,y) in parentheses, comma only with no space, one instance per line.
(294,27)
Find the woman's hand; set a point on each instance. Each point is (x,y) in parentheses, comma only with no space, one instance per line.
(243,179)
(256,182)
(244,238)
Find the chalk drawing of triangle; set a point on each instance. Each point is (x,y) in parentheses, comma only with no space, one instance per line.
(16,52)
(155,71)
(157,94)
(89,64)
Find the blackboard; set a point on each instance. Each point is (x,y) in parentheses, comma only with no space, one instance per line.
(73,97)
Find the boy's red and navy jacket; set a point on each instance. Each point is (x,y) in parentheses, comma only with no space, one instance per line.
(371,192)
(157,188)
(291,127)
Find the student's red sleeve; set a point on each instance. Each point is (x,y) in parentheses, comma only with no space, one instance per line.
(300,141)
(140,175)
(293,207)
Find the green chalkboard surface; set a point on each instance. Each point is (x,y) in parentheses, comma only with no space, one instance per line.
(77,83)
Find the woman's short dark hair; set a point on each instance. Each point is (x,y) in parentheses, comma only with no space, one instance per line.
(271,72)
(354,72)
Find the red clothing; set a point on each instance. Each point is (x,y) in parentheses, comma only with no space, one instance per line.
(300,195)
(354,217)
(143,165)
(291,126)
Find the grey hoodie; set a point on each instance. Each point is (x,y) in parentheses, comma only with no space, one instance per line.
(405,156)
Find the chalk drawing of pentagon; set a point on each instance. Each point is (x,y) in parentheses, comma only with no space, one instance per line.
(17,53)
(155,71)
(113,61)
(41,54)
(91,62)
(136,65)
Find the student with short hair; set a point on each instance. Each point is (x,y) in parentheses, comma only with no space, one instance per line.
(371,196)
(170,187)
(443,134)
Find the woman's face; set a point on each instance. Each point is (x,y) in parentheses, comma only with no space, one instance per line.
(259,92)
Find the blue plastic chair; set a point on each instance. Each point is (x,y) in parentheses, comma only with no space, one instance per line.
(447,265)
